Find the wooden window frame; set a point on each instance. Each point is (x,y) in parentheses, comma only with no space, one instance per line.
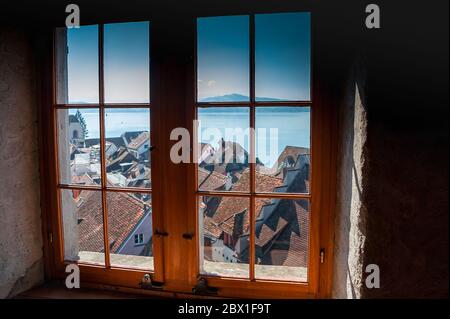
(322,185)
(101,106)
(281,288)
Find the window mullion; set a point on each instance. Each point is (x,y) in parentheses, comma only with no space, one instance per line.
(102,144)
(252,149)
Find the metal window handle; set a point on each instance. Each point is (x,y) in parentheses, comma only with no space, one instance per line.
(188,236)
(161,233)
(152,148)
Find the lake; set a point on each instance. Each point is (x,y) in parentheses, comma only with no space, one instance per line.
(276,128)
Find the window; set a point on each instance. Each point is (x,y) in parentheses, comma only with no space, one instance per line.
(103,96)
(250,212)
(253,107)
(138,239)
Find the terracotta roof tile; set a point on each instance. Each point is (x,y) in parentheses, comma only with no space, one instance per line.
(84,179)
(124,213)
(297,255)
(230,206)
(267,234)
(139,140)
(210,180)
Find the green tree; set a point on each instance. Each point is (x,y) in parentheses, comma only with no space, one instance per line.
(82,122)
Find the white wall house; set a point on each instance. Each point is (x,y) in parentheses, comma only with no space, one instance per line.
(138,238)
(82,164)
(140,146)
(221,252)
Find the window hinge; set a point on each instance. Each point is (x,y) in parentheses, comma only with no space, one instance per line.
(322,255)
(160,233)
(148,283)
(188,236)
(202,288)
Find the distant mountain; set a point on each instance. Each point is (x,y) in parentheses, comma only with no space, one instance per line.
(234,97)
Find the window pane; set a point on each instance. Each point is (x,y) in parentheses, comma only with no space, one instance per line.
(223,150)
(223,59)
(283,149)
(281,244)
(79,146)
(82,218)
(127,62)
(127,149)
(282,56)
(77,65)
(130,230)
(224,236)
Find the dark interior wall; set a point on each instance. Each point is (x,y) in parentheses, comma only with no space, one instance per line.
(392,205)
(404,228)
(407,190)
(21,255)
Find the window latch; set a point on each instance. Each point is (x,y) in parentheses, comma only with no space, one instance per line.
(188,236)
(148,283)
(202,288)
(161,233)
(322,255)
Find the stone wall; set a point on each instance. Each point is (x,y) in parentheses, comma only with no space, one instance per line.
(21,256)
(351,211)
(392,201)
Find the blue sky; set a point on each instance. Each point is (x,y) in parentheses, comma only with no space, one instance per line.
(282,59)
(82,64)
(223,56)
(126,61)
(282,56)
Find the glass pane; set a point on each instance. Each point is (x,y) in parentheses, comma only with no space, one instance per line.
(130,230)
(82,218)
(281,243)
(282,56)
(223,150)
(127,149)
(224,236)
(283,149)
(223,59)
(77,65)
(79,146)
(127,62)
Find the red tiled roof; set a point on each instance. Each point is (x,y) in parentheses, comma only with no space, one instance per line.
(210,227)
(290,151)
(297,255)
(266,234)
(84,179)
(124,213)
(210,180)
(230,206)
(139,140)
(121,154)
